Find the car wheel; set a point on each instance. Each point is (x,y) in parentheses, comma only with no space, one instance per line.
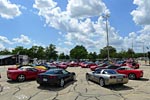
(74,77)
(132,76)
(62,83)
(41,84)
(101,82)
(21,78)
(87,77)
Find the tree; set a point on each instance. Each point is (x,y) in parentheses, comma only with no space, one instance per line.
(5,52)
(92,56)
(20,50)
(62,56)
(104,52)
(130,53)
(51,52)
(78,52)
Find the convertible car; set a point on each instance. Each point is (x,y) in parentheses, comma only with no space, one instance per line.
(130,72)
(55,77)
(23,73)
(106,77)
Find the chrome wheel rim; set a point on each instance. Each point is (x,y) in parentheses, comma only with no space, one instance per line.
(101,82)
(21,78)
(131,76)
(62,82)
(74,77)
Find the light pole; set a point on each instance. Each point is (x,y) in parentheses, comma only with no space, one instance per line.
(106,18)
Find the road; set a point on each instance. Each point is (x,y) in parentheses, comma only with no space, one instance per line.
(77,90)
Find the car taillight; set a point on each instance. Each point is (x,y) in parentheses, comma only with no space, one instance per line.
(52,76)
(111,77)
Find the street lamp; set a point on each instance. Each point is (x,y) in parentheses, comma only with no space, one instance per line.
(106,18)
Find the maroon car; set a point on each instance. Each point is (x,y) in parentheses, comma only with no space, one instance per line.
(87,64)
(73,64)
(98,66)
(62,65)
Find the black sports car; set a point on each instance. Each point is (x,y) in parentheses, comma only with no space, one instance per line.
(56,77)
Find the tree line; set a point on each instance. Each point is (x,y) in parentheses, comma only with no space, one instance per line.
(78,52)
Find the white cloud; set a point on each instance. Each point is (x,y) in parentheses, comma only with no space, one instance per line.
(22,39)
(79,29)
(141,14)
(62,50)
(2,47)
(9,10)
(86,32)
(141,17)
(86,8)
(5,40)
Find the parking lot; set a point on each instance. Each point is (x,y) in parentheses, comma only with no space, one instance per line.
(77,90)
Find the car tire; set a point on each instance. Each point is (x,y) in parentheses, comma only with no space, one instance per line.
(132,76)
(101,82)
(74,77)
(61,83)
(41,84)
(21,78)
(87,77)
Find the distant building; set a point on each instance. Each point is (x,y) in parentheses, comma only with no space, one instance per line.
(13,59)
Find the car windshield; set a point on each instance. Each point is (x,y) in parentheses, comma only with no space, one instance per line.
(53,72)
(110,72)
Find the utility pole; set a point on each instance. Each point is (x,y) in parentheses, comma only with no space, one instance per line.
(106,18)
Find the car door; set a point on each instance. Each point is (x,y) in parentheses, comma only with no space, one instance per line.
(66,75)
(32,73)
(96,75)
(121,70)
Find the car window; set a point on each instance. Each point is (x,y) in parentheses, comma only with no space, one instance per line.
(109,72)
(24,69)
(97,71)
(122,68)
(64,72)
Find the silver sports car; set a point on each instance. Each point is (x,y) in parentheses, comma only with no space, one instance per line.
(106,77)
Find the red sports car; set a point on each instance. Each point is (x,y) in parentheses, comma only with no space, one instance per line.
(62,65)
(23,73)
(87,64)
(73,64)
(103,65)
(133,65)
(130,72)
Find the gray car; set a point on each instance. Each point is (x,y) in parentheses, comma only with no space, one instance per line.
(106,77)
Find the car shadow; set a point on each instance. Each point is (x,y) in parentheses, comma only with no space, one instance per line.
(16,82)
(118,87)
(142,79)
(55,87)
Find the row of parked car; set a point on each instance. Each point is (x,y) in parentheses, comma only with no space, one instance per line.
(52,73)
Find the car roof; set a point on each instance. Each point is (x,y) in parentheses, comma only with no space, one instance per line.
(55,69)
(26,67)
(124,67)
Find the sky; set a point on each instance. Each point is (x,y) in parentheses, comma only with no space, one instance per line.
(67,23)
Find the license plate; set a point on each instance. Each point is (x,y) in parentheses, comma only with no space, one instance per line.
(44,79)
(119,80)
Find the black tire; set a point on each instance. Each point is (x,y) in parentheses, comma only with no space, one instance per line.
(74,77)
(61,83)
(132,76)
(101,82)
(21,78)
(87,77)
